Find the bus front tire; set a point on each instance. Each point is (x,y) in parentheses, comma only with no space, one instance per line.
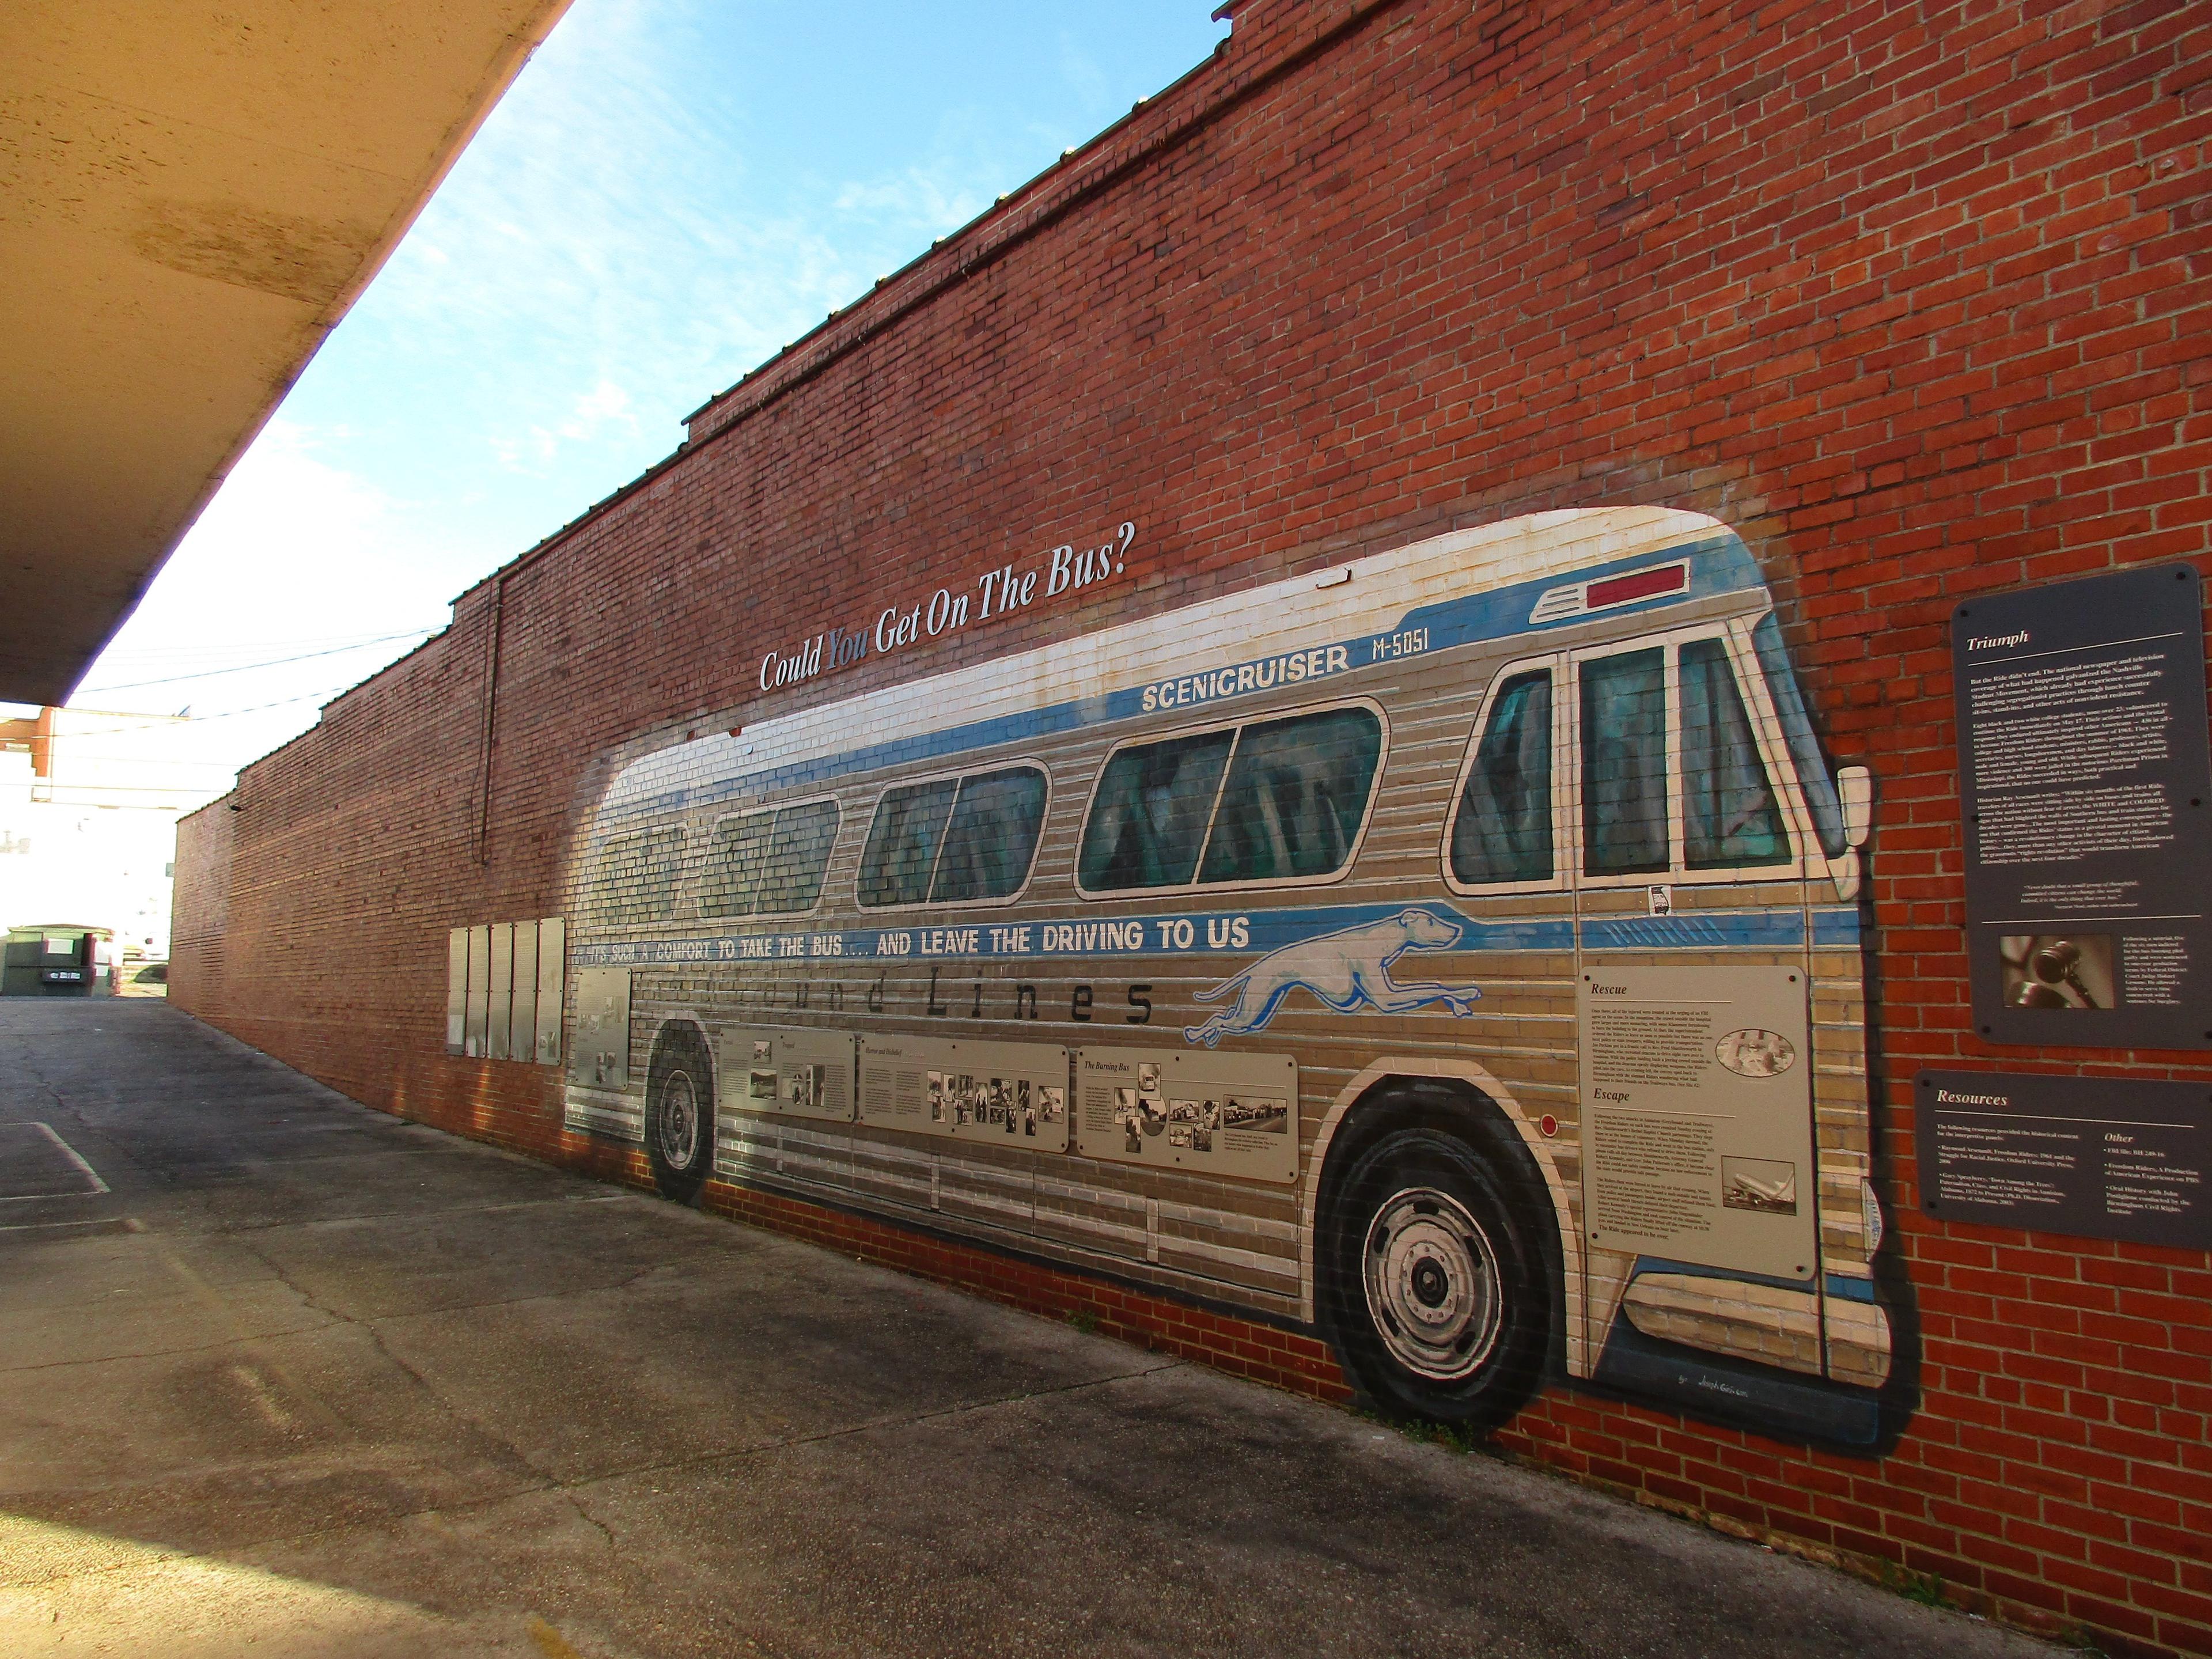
(1432,1284)
(679,1116)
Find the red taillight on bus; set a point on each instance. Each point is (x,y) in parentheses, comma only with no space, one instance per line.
(1637,585)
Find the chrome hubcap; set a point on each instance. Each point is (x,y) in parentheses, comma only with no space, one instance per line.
(679,1121)
(1432,1284)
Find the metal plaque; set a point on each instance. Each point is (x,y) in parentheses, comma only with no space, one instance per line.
(479,1010)
(2085,774)
(1697,1087)
(600,1056)
(522,1016)
(498,1025)
(1219,1111)
(552,964)
(796,1071)
(1013,1094)
(457,989)
(2099,1158)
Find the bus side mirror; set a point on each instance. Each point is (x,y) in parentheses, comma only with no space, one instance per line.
(1855,784)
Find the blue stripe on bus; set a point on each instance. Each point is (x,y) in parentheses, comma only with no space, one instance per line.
(1721,564)
(991,935)
(1693,930)
(1192,933)
(1836,926)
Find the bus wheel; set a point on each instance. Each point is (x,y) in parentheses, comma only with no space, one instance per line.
(1431,1285)
(679,1115)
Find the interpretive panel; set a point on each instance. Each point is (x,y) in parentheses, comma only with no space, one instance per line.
(1012,1093)
(2102,1157)
(601,1058)
(522,1016)
(478,1017)
(1226,1113)
(800,1073)
(457,990)
(500,1013)
(552,966)
(2085,779)
(1697,1112)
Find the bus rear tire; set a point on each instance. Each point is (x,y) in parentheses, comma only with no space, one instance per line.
(1431,1283)
(679,1115)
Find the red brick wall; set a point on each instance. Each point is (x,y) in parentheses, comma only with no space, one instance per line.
(1912,295)
(199,907)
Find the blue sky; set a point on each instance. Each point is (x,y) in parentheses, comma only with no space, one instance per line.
(669,194)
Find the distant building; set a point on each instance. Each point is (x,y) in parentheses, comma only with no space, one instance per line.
(88,823)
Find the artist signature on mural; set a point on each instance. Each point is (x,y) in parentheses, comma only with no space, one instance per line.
(1348,970)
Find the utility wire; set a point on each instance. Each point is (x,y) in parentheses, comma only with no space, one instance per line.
(172,721)
(144,656)
(248,668)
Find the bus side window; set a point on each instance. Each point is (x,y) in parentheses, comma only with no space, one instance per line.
(790,872)
(635,878)
(610,878)
(1502,830)
(1729,818)
(993,835)
(1148,818)
(730,884)
(1624,738)
(902,842)
(1297,792)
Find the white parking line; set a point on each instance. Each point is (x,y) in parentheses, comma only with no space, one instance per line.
(121,1226)
(67,1151)
(76,1158)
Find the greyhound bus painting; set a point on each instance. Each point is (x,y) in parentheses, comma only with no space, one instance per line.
(1457,955)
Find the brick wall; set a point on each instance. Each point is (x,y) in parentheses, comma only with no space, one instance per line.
(1913,296)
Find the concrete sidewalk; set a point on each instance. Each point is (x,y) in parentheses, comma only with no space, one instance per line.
(305,1380)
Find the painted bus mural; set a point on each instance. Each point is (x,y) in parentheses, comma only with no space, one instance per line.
(1456,953)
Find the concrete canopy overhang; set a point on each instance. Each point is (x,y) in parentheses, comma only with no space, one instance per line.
(190,196)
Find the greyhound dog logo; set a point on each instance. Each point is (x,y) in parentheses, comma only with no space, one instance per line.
(1347,970)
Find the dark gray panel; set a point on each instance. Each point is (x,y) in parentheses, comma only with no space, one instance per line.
(2101,1157)
(2084,776)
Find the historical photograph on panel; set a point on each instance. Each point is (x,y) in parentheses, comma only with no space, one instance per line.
(2058,972)
(1758,1183)
(1012,1093)
(797,1072)
(1214,1110)
(1753,1052)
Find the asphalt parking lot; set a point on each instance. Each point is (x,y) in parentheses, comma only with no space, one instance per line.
(281,1374)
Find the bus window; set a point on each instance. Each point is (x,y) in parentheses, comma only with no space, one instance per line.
(902,842)
(954,839)
(635,878)
(731,883)
(769,862)
(993,836)
(798,852)
(1297,792)
(1729,818)
(1503,831)
(1624,736)
(1814,778)
(1148,819)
